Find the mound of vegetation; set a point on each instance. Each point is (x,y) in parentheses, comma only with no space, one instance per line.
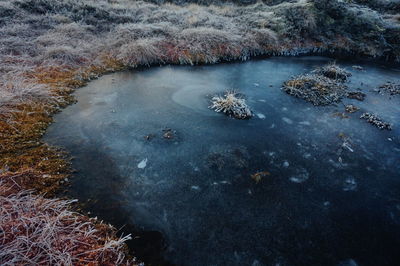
(231,104)
(376,121)
(317,89)
(389,88)
(333,71)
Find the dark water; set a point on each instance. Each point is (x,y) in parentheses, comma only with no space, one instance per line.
(332,196)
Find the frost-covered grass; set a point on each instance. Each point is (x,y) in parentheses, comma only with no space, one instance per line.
(376,121)
(39,231)
(333,71)
(324,86)
(231,104)
(36,33)
(317,89)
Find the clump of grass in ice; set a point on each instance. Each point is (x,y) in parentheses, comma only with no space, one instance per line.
(334,72)
(231,104)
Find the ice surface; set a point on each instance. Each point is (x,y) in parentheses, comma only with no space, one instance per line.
(332,194)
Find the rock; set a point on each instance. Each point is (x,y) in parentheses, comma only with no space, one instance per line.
(149,137)
(168,134)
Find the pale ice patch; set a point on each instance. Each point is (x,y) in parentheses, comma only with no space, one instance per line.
(256,84)
(305,123)
(285,164)
(224,182)
(261,116)
(195,187)
(300,177)
(272,126)
(287,120)
(262,100)
(142,164)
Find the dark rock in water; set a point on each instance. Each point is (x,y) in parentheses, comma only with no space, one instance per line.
(168,133)
(351,108)
(357,95)
(149,137)
(317,89)
(389,88)
(376,121)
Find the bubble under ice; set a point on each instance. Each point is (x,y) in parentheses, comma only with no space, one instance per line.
(326,205)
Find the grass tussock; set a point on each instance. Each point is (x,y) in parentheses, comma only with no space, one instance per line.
(333,71)
(231,104)
(376,121)
(390,88)
(317,89)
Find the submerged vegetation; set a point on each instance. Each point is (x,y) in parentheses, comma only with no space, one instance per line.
(48,48)
(231,104)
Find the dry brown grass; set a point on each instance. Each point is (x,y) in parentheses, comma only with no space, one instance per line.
(39,231)
(35,230)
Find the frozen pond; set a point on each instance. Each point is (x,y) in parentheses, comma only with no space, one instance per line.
(150,155)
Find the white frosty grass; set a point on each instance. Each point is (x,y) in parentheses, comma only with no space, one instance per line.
(75,34)
(78,33)
(39,231)
(231,104)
